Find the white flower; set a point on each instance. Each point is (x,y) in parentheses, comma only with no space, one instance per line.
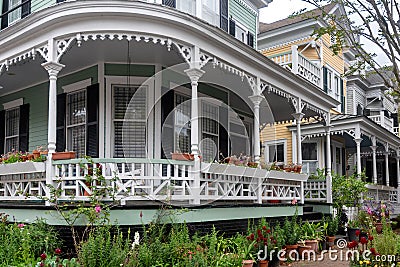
(137,238)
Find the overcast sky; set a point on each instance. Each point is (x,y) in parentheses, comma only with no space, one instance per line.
(280,9)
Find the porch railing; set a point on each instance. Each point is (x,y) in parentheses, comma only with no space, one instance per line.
(382,193)
(315,190)
(149,180)
(299,65)
(387,123)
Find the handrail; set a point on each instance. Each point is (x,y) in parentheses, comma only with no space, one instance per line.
(123,160)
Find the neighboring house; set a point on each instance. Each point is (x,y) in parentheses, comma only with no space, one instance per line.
(362,130)
(125,82)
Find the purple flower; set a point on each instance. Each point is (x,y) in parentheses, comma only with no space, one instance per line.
(97,208)
(21,225)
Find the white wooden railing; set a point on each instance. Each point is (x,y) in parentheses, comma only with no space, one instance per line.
(387,123)
(382,193)
(148,180)
(299,65)
(315,190)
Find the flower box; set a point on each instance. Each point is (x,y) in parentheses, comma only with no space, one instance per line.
(235,170)
(22,167)
(63,155)
(182,156)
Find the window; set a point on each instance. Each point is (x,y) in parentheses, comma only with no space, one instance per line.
(241,33)
(309,157)
(275,151)
(76,122)
(12,129)
(187,6)
(333,86)
(129,121)
(210,11)
(240,135)
(210,132)
(182,123)
(16,14)
(13,10)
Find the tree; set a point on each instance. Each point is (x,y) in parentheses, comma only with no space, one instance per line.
(376,21)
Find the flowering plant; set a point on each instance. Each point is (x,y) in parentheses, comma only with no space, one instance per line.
(377,210)
(264,238)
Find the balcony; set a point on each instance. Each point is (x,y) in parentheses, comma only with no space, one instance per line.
(385,122)
(300,65)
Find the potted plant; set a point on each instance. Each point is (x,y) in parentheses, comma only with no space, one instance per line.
(247,254)
(353,230)
(311,233)
(331,230)
(292,233)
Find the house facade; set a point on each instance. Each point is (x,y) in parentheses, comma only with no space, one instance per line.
(130,83)
(364,129)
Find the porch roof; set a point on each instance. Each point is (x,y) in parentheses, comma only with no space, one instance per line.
(24,40)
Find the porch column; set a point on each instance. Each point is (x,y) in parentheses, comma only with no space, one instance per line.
(256,99)
(387,163)
(374,172)
(194,75)
(398,174)
(328,165)
(358,144)
(298,117)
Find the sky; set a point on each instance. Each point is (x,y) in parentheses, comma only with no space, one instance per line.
(280,9)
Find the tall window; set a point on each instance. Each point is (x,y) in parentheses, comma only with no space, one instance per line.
(275,151)
(309,157)
(182,123)
(210,130)
(76,122)
(187,6)
(16,14)
(12,129)
(129,120)
(210,11)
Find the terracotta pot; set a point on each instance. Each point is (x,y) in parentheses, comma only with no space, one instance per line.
(313,244)
(274,201)
(63,155)
(36,154)
(263,263)
(182,156)
(291,251)
(304,251)
(379,227)
(247,263)
(330,240)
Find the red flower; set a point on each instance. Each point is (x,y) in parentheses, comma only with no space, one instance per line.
(373,251)
(352,244)
(266,243)
(141,214)
(370,238)
(43,256)
(363,240)
(357,232)
(268,231)
(264,227)
(251,237)
(41,264)
(259,232)
(57,251)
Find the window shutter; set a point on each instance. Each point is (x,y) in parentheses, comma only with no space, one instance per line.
(92,119)
(223,10)
(167,106)
(395,119)
(2,130)
(366,112)
(171,3)
(250,39)
(61,109)
(232,27)
(24,128)
(26,9)
(325,74)
(342,104)
(4,19)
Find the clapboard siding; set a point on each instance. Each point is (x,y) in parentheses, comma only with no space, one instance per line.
(240,13)
(37,5)
(279,132)
(349,99)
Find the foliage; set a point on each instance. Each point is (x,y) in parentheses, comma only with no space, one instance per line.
(377,210)
(24,243)
(105,248)
(320,175)
(373,21)
(263,238)
(386,243)
(332,225)
(292,230)
(348,190)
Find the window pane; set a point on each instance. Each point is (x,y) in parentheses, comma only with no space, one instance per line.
(209,147)
(129,105)
(77,140)
(16,14)
(76,109)
(309,151)
(12,144)
(182,123)
(239,145)
(12,122)
(188,6)
(276,153)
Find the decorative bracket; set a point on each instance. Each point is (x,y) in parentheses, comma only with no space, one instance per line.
(63,45)
(185,51)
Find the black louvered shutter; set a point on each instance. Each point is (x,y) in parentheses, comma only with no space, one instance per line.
(4,19)
(24,128)
(395,119)
(325,76)
(223,12)
(26,9)
(61,109)
(167,106)
(2,130)
(250,39)
(232,27)
(92,118)
(342,102)
(223,133)
(171,3)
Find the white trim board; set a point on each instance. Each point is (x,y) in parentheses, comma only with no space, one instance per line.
(77,86)
(13,104)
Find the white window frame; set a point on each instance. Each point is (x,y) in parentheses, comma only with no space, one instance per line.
(240,26)
(180,6)
(268,144)
(213,12)
(8,106)
(333,83)
(15,15)
(110,81)
(217,119)
(317,161)
(247,123)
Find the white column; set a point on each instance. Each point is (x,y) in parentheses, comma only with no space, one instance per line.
(374,171)
(328,165)
(398,175)
(387,164)
(358,144)
(256,99)
(295,59)
(53,68)
(194,75)
(298,117)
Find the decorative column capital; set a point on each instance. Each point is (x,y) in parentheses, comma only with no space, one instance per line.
(256,99)
(53,68)
(298,116)
(373,148)
(328,129)
(194,74)
(358,140)
(386,153)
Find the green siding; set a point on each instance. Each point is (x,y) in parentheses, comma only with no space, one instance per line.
(244,16)
(135,70)
(84,74)
(37,5)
